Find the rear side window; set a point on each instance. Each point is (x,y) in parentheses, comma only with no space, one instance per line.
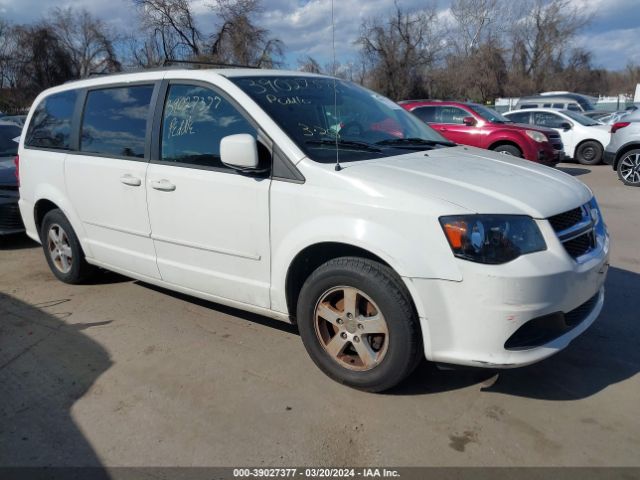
(528,105)
(558,105)
(50,125)
(519,117)
(194,121)
(115,121)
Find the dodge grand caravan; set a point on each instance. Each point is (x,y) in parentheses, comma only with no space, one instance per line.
(314,201)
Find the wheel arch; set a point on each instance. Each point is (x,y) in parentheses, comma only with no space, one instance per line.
(623,150)
(506,141)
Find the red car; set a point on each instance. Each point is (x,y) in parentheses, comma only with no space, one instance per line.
(479,126)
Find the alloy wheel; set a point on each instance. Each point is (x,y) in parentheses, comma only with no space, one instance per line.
(351,328)
(630,168)
(59,248)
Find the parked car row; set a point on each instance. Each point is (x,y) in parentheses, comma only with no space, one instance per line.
(546,129)
(316,201)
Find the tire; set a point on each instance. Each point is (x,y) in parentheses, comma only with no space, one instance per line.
(629,168)
(382,300)
(509,150)
(60,242)
(589,153)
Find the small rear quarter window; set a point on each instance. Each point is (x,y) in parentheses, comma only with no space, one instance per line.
(50,125)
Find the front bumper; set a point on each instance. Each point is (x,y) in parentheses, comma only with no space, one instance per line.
(10,220)
(469,322)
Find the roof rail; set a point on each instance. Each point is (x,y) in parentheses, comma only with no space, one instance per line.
(170,61)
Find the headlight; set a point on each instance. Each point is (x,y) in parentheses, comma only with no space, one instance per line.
(537,136)
(492,239)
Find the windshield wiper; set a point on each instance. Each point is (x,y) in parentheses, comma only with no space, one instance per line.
(415,143)
(345,143)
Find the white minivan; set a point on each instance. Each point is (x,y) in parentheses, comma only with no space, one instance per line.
(315,201)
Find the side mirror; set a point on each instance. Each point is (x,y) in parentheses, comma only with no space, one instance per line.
(566,126)
(239,151)
(469,121)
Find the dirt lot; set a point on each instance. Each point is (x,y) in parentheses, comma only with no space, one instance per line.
(121,373)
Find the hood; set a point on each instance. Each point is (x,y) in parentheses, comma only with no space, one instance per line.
(526,126)
(8,171)
(477,180)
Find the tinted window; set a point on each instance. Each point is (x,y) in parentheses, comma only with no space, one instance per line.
(529,105)
(558,105)
(545,119)
(574,107)
(450,115)
(50,125)
(194,121)
(7,146)
(547,105)
(426,114)
(115,121)
(519,117)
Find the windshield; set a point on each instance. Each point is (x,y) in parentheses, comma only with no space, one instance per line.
(489,114)
(365,125)
(582,119)
(8,147)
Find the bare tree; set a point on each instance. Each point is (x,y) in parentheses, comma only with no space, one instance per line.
(540,38)
(172,25)
(401,49)
(239,39)
(309,64)
(87,41)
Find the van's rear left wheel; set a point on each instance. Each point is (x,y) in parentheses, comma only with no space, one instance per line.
(62,249)
(358,324)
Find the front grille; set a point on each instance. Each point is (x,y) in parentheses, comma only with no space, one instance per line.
(545,329)
(580,245)
(576,230)
(10,219)
(566,220)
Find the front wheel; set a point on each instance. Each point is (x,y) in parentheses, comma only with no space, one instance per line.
(589,153)
(629,168)
(508,150)
(358,324)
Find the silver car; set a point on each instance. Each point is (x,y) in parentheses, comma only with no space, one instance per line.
(623,151)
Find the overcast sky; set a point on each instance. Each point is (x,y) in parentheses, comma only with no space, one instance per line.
(304,25)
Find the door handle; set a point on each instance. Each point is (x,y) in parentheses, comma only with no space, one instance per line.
(131,180)
(163,185)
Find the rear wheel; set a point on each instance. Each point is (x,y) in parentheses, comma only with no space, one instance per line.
(508,150)
(589,153)
(629,168)
(358,325)
(62,249)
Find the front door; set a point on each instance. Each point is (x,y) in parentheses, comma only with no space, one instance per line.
(448,121)
(209,223)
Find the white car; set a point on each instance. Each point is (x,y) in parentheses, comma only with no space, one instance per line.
(225,185)
(584,139)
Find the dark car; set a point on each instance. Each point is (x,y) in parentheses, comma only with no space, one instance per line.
(10,220)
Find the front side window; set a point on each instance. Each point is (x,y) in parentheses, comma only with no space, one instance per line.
(426,114)
(574,107)
(329,117)
(194,121)
(545,119)
(115,121)
(50,125)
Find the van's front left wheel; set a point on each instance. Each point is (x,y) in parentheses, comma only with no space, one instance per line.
(358,324)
